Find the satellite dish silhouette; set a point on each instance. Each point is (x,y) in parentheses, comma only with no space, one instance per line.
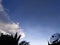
(55,38)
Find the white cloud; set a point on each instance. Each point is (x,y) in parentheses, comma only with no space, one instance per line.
(7,26)
(11,28)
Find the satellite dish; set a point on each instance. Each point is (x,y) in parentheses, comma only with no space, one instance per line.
(55,38)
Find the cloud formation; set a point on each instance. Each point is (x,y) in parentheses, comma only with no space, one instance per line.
(7,26)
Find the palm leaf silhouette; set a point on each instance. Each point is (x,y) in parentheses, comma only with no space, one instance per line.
(9,39)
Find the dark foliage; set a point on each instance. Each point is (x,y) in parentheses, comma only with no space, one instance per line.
(9,39)
(24,43)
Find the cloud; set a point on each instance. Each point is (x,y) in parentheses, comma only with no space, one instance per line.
(7,26)
(11,28)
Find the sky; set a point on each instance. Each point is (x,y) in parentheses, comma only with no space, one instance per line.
(39,19)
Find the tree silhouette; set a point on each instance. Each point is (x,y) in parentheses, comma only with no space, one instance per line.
(9,39)
(24,43)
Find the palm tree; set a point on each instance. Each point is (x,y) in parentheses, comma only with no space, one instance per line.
(9,39)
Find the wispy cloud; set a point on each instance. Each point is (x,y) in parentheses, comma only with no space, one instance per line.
(7,26)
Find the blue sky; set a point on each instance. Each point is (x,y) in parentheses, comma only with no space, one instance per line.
(39,18)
